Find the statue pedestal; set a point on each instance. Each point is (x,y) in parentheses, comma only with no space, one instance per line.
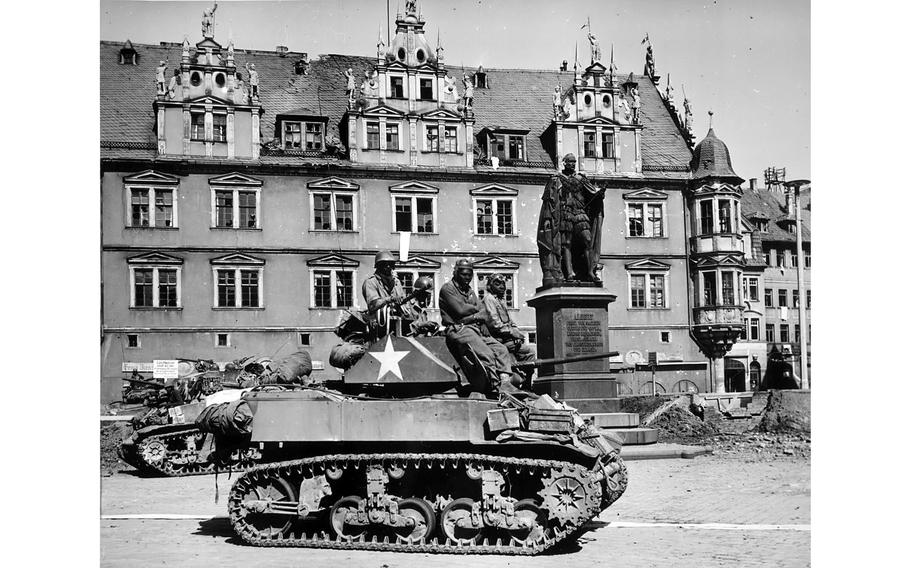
(573,320)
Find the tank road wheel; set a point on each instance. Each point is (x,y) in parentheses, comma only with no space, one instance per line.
(154,451)
(456,522)
(568,496)
(424,519)
(528,510)
(270,525)
(337,516)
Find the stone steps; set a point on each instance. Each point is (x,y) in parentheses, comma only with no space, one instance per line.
(613,419)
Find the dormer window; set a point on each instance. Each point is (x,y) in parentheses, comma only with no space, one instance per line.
(507,146)
(426,89)
(303,136)
(396,87)
(480,79)
(128,55)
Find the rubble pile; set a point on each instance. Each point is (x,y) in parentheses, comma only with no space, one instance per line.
(679,426)
(757,446)
(787,411)
(111,435)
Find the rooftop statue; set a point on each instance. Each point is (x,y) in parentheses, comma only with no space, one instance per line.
(208,22)
(595,47)
(569,227)
(159,77)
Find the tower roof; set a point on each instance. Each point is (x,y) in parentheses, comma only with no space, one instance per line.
(712,160)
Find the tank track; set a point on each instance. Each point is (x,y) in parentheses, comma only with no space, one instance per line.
(188,463)
(576,489)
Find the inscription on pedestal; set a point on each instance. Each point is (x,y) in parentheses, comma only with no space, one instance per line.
(580,331)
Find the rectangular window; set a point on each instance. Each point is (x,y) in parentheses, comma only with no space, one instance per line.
(344,212)
(590,143)
(322,288)
(403,214)
(424,215)
(396,87)
(638,291)
(779,261)
(657,292)
(167,287)
(808,299)
(516,148)
(432,138)
(303,338)
(795,295)
(726,282)
(372,135)
(333,288)
(132,340)
(391,137)
(753,329)
(293,136)
(144,284)
(494,216)
(710,288)
(484,216)
(656,220)
(785,333)
(139,207)
(607,144)
(333,211)
(451,140)
(504,216)
(197,126)
(313,136)
(807,260)
(750,283)
(482,287)
(219,127)
(247,209)
(164,208)
(223,340)
(498,146)
(249,288)
(224,209)
(665,337)
(226,288)
(766,256)
(322,211)
(782,298)
(426,89)
(723,216)
(769,332)
(636,220)
(414,214)
(706,208)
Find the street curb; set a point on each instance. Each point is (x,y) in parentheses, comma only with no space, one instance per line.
(663,451)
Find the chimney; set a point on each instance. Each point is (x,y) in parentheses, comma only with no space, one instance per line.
(752,182)
(282,50)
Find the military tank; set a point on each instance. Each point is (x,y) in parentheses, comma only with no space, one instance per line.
(166,440)
(399,456)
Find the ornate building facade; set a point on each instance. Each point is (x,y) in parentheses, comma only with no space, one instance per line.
(244,197)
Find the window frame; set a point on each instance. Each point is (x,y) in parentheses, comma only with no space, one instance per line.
(152,196)
(783,298)
(506,139)
(385,135)
(431,82)
(511,287)
(223,139)
(404,91)
(333,208)
(608,151)
(235,206)
(769,297)
(770,333)
(156,286)
(785,333)
(194,132)
(495,214)
(333,284)
(756,322)
(648,300)
(238,286)
(647,225)
(748,281)
(415,274)
(413,197)
(367,134)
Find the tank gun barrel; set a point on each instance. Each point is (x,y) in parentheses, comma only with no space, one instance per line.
(560,360)
(145,382)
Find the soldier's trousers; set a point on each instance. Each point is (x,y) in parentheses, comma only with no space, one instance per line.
(467,345)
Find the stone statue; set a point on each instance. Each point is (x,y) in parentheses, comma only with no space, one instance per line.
(595,47)
(569,227)
(440,54)
(649,61)
(208,22)
(669,93)
(172,86)
(451,90)
(410,6)
(568,105)
(350,88)
(240,94)
(254,80)
(369,87)
(159,77)
(636,105)
(231,52)
(688,115)
(623,105)
(557,102)
(468,92)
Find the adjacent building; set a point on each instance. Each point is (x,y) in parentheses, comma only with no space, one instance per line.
(245,193)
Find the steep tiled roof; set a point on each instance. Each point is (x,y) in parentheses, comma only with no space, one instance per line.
(516,98)
(712,159)
(772,205)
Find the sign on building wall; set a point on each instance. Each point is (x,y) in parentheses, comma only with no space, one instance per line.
(165,369)
(143,367)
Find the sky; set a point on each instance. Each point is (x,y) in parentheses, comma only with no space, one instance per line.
(746,61)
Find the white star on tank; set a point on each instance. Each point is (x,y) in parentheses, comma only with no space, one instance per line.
(389,359)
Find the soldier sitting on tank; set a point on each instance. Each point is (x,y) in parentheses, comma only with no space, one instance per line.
(468,337)
(383,290)
(504,329)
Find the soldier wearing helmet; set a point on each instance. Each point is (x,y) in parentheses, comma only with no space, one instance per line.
(503,328)
(384,289)
(467,335)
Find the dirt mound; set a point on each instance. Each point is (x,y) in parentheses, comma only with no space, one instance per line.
(787,411)
(642,405)
(678,425)
(111,435)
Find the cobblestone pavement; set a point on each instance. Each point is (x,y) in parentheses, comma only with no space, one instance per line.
(708,489)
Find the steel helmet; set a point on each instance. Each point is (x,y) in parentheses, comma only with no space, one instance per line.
(383,256)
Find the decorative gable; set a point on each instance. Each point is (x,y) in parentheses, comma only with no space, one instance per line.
(236,179)
(333,260)
(731,260)
(495,263)
(383,110)
(413,187)
(236,258)
(645,194)
(600,121)
(441,113)
(333,183)
(151,177)
(419,262)
(156,258)
(648,264)
(493,189)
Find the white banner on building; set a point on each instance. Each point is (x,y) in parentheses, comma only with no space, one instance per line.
(165,369)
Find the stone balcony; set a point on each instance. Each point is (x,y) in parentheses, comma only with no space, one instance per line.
(717,242)
(713,315)
(717,328)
